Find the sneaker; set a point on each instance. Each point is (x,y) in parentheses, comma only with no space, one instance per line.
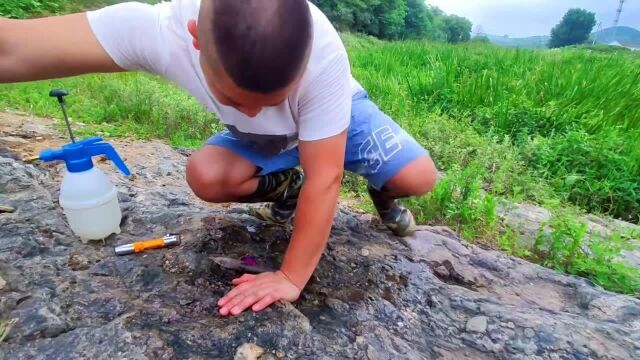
(284,206)
(394,216)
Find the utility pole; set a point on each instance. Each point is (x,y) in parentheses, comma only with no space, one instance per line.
(617,20)
(618,13)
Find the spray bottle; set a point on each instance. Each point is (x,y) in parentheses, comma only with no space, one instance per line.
(87,196)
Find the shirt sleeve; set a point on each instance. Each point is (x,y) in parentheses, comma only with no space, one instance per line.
(131,34)
(325,108)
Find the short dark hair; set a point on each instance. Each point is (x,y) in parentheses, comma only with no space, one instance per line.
(262,44)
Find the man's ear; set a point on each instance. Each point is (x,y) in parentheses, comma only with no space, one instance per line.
(192,26)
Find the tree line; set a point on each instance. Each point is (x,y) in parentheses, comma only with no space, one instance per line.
(396,19)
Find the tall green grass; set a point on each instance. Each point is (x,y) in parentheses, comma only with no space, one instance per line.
(572,116)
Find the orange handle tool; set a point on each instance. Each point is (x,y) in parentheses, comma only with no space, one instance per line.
(142,246)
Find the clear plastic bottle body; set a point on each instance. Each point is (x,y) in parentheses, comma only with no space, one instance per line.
(90,202)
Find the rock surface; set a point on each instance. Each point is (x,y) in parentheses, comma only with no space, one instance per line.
(527,220)
(425,297)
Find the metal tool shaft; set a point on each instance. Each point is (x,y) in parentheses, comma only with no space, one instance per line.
(66,120)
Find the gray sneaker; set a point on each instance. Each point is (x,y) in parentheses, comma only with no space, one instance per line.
(394,216)
(284,207)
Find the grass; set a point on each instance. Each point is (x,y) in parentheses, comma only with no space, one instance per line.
(135,105)
(5,328)
(545,127)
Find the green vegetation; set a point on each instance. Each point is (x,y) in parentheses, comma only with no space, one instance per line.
(396,19)
(21,9)
(575,28)
(5,328)
(547,127)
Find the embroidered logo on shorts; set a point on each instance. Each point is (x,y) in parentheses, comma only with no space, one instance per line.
(381,146)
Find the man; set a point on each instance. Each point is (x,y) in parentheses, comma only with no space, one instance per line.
(277,75)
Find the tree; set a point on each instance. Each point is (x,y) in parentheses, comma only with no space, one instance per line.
(395,19)
(457,29)
(423,21)
(575,28)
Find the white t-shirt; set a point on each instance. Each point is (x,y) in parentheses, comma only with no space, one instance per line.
(154,38)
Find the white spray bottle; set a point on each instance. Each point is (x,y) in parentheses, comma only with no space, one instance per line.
(87,196)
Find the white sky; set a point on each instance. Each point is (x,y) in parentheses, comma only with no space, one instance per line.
(520,18)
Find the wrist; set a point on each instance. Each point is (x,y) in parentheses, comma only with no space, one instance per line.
(296,282)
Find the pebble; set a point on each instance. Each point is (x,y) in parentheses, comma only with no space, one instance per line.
(528,332)
(477,324)
(2,283)
(248,351)
(364,252)
(280,354)
(442,272)
(7,209)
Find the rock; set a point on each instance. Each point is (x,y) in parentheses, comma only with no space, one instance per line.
(527,220)
(364,252)
(7,209)
(268,356)
(441,271)
(2,283)
(477,324)
(280,354)
(429,296)
(248,352)
(529,333)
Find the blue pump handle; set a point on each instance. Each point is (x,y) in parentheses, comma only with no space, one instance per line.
(78,155)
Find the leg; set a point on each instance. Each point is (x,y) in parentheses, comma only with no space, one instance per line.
(228,171)
(219,175)
(415,179)
(393,162)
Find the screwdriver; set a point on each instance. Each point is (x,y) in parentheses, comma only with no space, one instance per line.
(142,246)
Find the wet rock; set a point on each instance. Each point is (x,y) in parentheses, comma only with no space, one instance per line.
(248,352)
(477,324)
(425,297)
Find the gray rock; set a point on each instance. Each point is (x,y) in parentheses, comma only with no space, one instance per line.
(477,324)
(528,219)
(436,297)
(248,352)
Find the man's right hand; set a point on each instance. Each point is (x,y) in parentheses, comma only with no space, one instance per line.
(50,48)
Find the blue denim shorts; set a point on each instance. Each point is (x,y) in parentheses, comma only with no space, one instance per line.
(377,148)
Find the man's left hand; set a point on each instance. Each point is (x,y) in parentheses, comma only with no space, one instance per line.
(258,292)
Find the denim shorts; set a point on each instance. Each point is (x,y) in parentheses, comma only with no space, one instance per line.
(377,148)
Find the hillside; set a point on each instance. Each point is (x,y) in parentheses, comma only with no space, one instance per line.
(625,35)
(532,42)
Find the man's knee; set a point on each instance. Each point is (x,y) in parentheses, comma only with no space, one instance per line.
(416,179)
(206,181)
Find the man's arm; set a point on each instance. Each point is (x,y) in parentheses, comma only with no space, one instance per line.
(323,163)
(49,48)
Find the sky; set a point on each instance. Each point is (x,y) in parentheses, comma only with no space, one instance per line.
(520,18)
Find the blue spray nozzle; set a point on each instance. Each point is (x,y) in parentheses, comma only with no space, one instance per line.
(78,156)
